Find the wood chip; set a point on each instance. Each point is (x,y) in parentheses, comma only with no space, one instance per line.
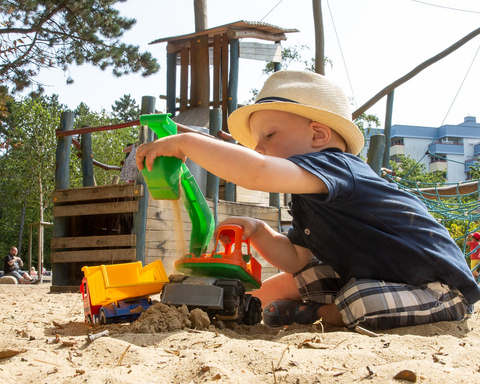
(46,362)
(69,343)
(123,355)
(364,331)
(314,345)
(406,375)
(10,352)
(57,324)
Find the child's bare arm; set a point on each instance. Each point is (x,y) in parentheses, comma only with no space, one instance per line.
(234,163)
(274,247)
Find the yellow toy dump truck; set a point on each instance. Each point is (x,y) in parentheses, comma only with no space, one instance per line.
(120,292)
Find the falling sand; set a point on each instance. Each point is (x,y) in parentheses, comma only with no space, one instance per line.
(180,244)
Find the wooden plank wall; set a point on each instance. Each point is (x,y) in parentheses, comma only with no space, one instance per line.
(161,235)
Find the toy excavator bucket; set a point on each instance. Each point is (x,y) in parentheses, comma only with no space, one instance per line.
(163,181)
(111,283)
(230,264)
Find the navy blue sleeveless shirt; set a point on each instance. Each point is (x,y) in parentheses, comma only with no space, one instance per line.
(367,228)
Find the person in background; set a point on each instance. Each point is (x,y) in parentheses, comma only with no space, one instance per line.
(129,168)
(474,242)
(11,267)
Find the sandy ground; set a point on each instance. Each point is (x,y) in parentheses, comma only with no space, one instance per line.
(163,346)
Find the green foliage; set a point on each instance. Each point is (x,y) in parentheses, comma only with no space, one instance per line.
(293,54)
(27,168)
(126,109)
(27,162)
(366,122)
(413,171)
(38,34)
(106,145)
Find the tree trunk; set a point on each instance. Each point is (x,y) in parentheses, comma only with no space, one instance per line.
(40,227)
(319,37)
(22,225)
(200,9)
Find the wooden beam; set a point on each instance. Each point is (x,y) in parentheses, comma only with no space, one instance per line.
(94,241)
(448,191)
(255,34)
(389,88)
(98,129)
(99,164)
(97,255)
(95,209)
(112,191)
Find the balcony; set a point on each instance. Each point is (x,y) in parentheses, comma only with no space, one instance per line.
(469,163)
(447,148)
(396,150)
(476,150)
(440,165)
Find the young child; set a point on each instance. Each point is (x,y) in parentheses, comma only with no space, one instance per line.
(360,251)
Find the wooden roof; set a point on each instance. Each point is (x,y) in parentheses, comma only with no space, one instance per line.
(269,28)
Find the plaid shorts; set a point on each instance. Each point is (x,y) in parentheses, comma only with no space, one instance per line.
(377,304)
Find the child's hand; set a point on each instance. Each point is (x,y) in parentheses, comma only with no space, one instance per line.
(250,227)
(166,146)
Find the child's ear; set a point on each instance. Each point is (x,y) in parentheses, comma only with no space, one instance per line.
(321,134)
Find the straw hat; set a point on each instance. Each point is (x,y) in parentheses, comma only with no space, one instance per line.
(306,94)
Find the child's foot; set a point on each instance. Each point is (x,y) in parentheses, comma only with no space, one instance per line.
(286,312)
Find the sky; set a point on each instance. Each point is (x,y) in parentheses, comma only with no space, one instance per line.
(371,43)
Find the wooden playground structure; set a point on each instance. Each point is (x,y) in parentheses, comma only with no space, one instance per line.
(121,223)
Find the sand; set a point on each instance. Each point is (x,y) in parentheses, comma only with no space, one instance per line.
(44,340)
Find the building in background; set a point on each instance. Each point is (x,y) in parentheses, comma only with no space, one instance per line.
(453,148)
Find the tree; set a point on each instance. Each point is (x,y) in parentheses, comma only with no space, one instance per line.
(126,109)
(412,171)
(39,34)
(106,145)
(27,166)
(293,54)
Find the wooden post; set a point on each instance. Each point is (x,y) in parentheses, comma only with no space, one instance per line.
(140,217)
(40,249)
(193,74)
(60,270)
(232,103)
(375,153)
(87,160)
(203,72)
(274,198)
(212,180)
(171,83)
(30,250)
(388,130)
(233,78)
(200,10)
(217,61)
(319,37)
(185,62)
(224,82)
